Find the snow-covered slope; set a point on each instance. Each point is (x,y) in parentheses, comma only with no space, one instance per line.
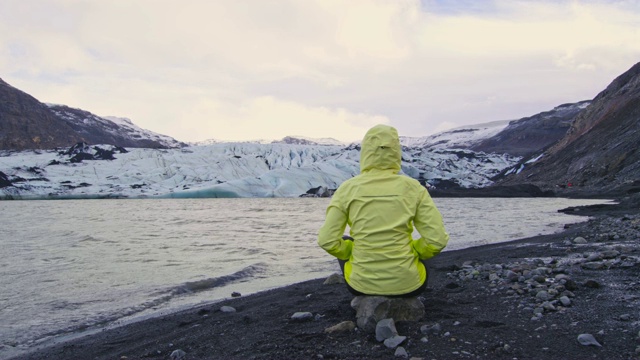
(221,170)
(134,131)
(302,140)
(293,140)
(458,138)
(111,130)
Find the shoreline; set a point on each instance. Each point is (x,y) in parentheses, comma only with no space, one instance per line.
(479,317)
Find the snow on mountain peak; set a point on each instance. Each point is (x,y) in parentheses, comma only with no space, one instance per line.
(460,137)
(302,140)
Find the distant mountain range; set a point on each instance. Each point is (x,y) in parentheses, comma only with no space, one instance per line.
(588,147)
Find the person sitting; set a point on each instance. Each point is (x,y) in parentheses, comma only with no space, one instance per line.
(382,207)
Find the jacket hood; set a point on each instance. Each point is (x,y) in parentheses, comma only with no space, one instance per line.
(381,149)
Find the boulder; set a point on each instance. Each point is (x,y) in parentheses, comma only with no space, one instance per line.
(371,309)
(334,279)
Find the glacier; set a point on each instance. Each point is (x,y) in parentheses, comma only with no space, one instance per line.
(222,170)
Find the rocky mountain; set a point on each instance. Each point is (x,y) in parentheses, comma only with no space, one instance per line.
(463,137)
(112,130)
(26,123)
(599,153)
(524,137)
(531,135)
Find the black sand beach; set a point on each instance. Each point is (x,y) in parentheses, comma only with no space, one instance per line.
(526,299)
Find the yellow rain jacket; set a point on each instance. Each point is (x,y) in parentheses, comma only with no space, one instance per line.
(381,208)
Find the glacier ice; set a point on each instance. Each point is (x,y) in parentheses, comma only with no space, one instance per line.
(225,170)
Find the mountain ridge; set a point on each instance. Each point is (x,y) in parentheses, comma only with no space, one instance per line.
(26,123)
(599,153)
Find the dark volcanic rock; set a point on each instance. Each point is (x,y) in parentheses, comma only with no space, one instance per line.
(600,151)
(98,130)
(26,123)
(82,151)
(532,135)
(4,180)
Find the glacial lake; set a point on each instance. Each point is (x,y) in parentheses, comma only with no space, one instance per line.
(69,266)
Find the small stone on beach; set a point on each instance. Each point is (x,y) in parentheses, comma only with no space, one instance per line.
(334,279)
(394,341)
(588,339)
(401,352)
(579,240)
(302,316)
(177,354)
(341,327)
(385,329)
(592,284)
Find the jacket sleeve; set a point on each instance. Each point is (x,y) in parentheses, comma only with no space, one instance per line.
(330,235)
(428,222)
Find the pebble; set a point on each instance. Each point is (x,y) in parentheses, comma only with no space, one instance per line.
(549,306)
(394,341)
(302,316)
(609,254)
(434,329)
(565,301)
(341,327)
(579,240)
(334,279)
(385,329)
(593,266)
(401,352)
(587,340)
(177,354)
(227,309)
(543,295)
(235,294)
(592,284)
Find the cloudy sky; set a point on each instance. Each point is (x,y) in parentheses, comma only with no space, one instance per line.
(264,69)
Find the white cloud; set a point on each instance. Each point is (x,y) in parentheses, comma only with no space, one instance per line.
(210,69)
(270,118)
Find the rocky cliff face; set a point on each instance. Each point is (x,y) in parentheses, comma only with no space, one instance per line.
(532,135)
(26,123)
(600,150)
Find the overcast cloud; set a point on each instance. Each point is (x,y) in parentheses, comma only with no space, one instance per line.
(264,69)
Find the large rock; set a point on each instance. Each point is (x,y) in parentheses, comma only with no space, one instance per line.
(371,309)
